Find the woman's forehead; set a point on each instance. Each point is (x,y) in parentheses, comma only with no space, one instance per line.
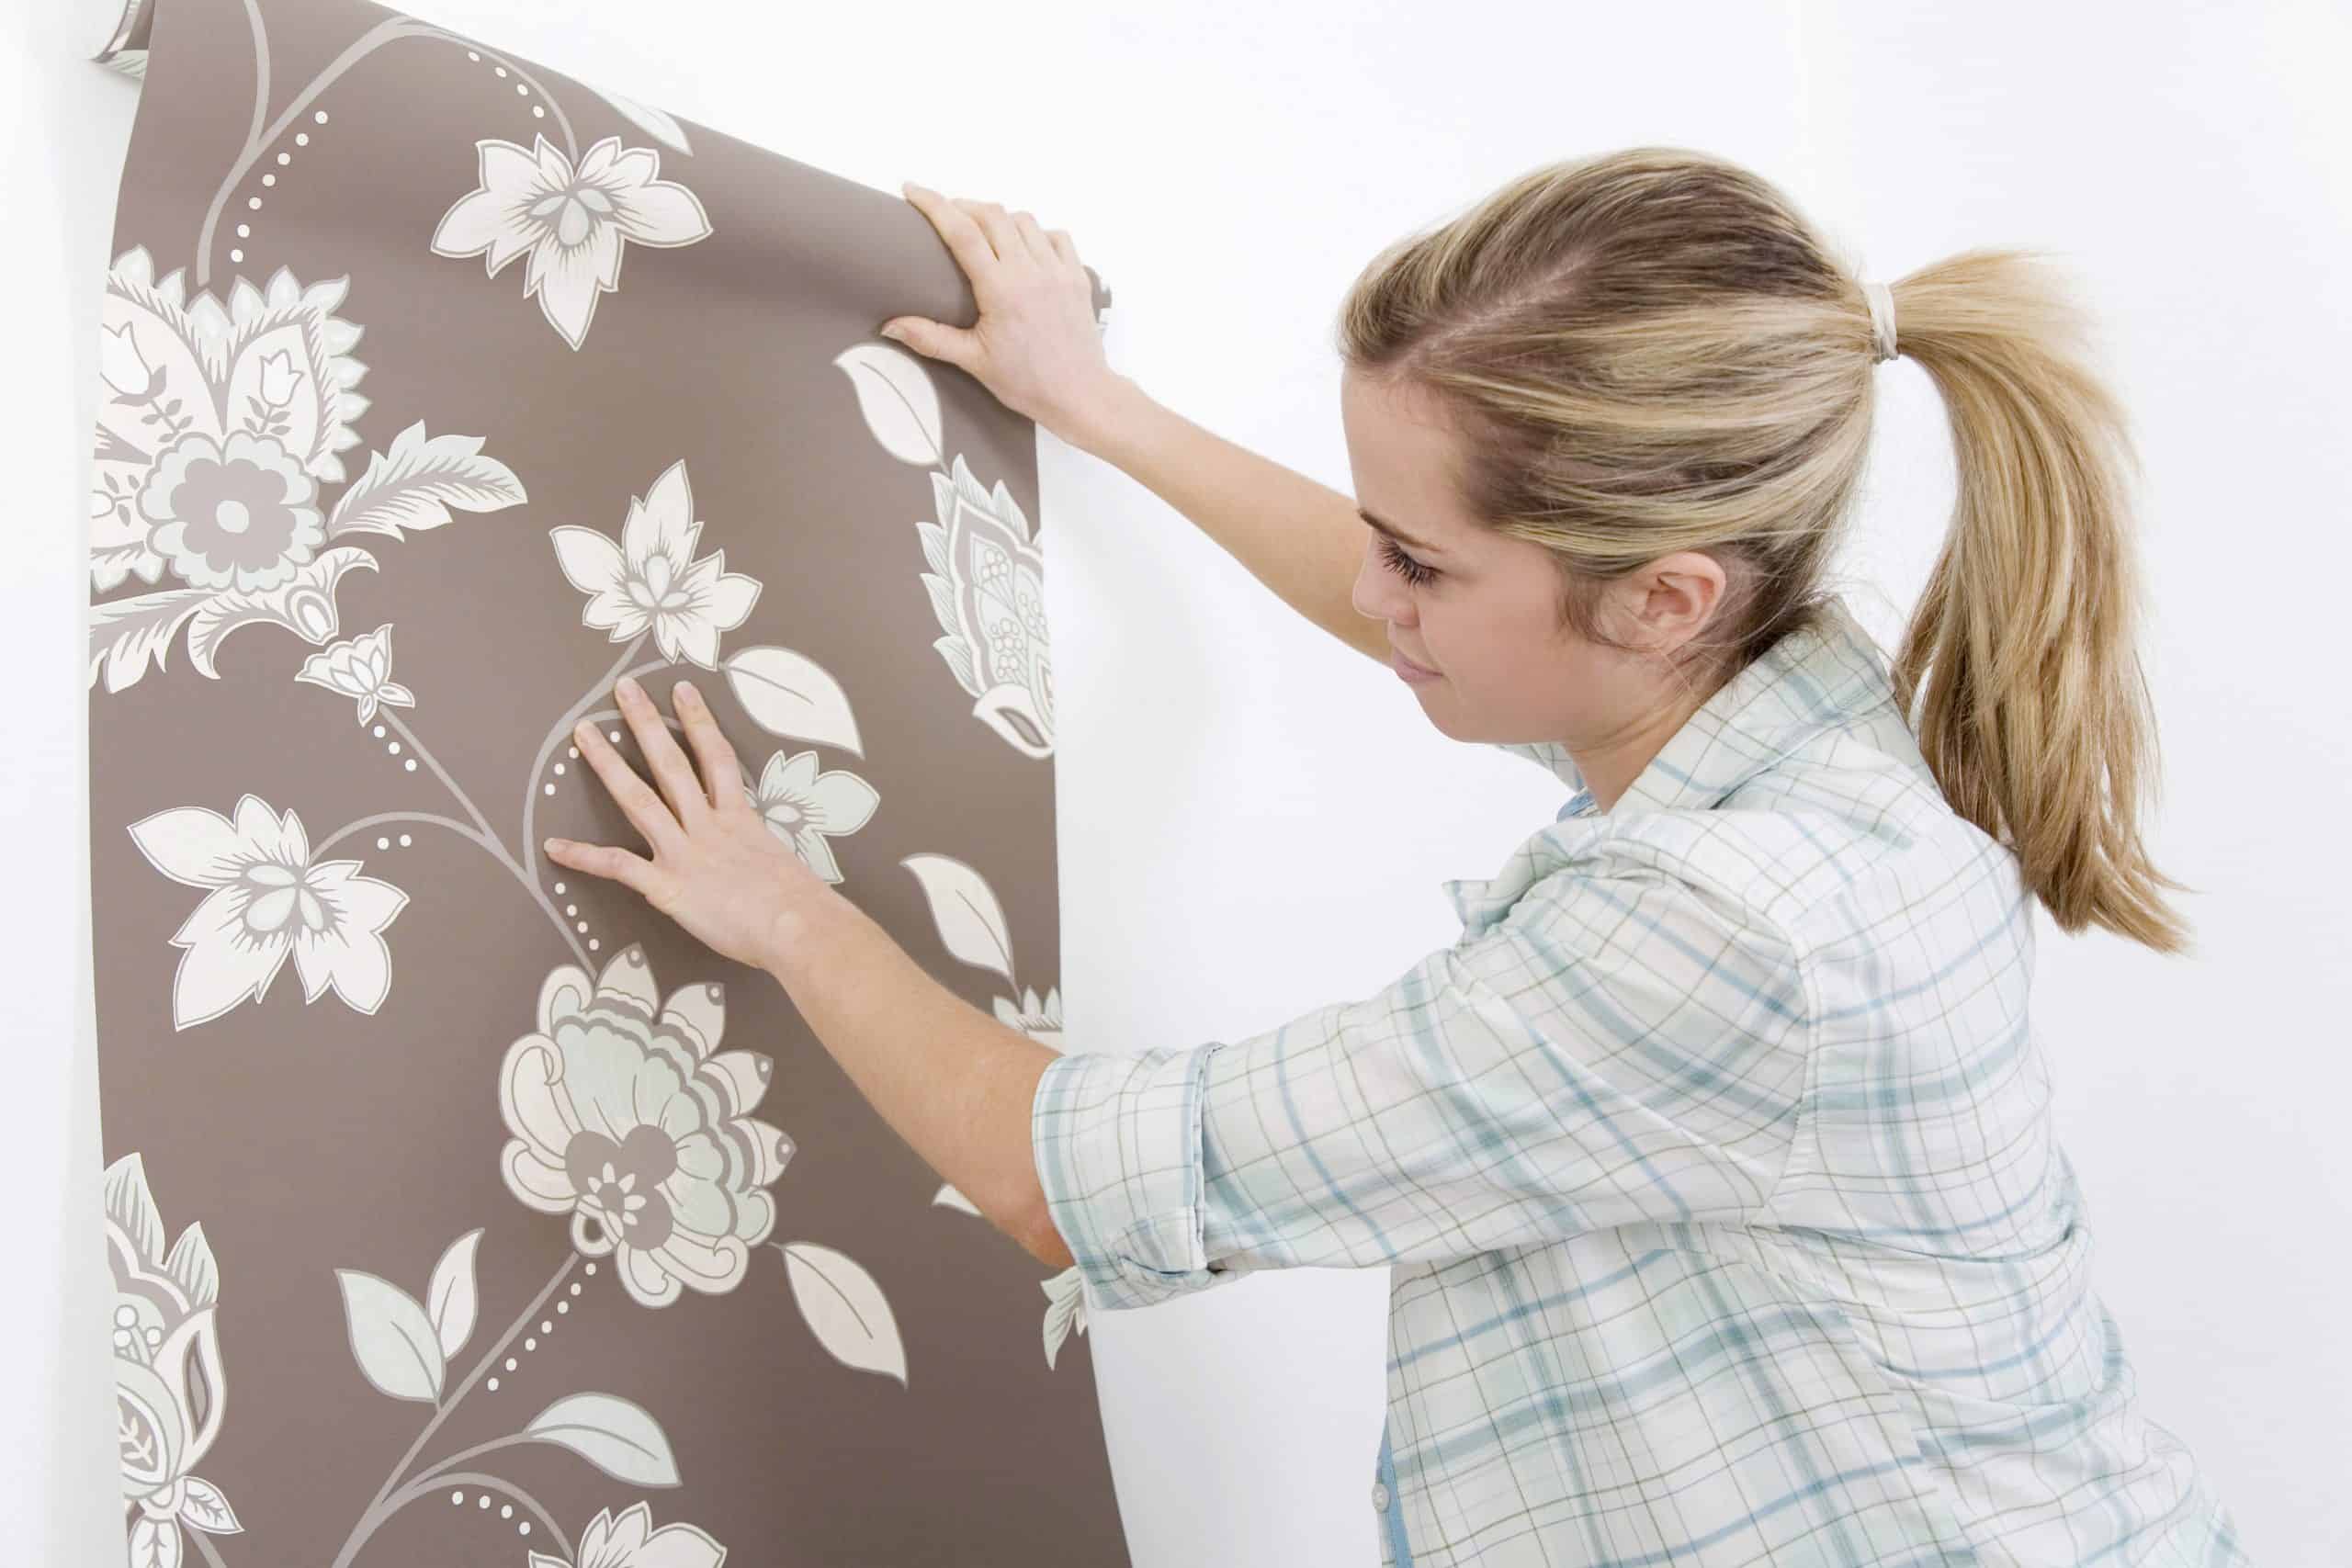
(1405,457)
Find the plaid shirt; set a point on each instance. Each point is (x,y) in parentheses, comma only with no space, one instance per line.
(1715,1167)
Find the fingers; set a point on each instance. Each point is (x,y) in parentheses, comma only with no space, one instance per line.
(995,248)
(608,861)
(964,239)
(1033,239)
(722,774)
(669,767)
(1003,239)
(637,802)
(982,231)
(959,346)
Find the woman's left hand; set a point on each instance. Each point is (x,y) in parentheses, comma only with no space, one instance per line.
(717,870)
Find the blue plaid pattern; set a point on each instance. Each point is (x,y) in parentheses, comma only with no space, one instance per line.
(1714,1169)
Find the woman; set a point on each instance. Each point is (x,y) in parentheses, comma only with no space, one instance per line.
(1715,1161)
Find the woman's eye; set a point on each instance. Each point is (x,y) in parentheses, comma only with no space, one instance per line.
(1404,565)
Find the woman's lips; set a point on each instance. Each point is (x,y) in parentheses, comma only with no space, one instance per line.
(1408,671)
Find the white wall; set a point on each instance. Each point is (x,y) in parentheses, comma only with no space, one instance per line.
(1227,167)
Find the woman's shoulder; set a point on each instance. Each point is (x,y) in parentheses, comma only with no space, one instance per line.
(1838,836)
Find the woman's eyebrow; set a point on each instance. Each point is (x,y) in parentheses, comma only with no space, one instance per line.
(1395,532)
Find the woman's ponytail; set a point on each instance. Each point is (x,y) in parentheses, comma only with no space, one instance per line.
(2019,672)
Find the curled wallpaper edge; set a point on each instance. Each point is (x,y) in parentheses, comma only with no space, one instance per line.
(127,49)
(259,1120)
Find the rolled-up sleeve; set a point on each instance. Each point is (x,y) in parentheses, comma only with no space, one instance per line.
(1618,1049)
(1117,1143)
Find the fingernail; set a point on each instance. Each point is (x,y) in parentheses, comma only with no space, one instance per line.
(685,692)
(891,331)
(552,845)
(627,683)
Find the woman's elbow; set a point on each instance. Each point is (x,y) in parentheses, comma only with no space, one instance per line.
(1044,1242)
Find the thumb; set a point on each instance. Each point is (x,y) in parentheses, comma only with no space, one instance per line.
(957,345)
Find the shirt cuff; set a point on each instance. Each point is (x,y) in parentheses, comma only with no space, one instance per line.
(1116,1139)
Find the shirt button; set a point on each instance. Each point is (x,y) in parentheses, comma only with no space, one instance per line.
(1380,1496)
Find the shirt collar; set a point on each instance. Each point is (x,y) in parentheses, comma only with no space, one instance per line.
(1806,681)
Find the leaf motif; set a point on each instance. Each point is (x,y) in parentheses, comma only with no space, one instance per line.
(202,1504)
(901,405)
(935,545)
(1012,712)
(656,123)
(128,635)
(191,1264)
(143,1439)
(791,694)
(188,1364)
(845,1309)
(616,1436)
(944,610)
(304,604)
(948,1197)
(110,564)
(1008,512)
(1065,1303)
(156,1543)
(133,1207)
(958,655)
(449,1299)
(391,1339)
(971,922)
(414,484)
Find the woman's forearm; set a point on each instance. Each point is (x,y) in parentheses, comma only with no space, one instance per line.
(952,1080)
(1301,539)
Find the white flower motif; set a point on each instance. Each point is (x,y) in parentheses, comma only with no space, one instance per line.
(124,370)
(987,588)
(194,470)
(803,806)
(1042,1021)
(650,577)
(631,1541)
(168,1389)
(234,513)
(176,369)
(222,419)
(278,378)
(628,1117)
(268,899)
(572,221)
(359,667)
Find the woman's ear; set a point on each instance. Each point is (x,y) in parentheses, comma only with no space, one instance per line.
(1669,602)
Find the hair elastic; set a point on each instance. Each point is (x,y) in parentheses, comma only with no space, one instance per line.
(1882,300)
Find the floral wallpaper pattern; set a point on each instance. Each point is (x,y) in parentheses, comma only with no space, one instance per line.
(468,1240)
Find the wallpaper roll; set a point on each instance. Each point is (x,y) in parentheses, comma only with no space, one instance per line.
(461,1210)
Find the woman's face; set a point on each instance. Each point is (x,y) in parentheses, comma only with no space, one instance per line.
(1472,611)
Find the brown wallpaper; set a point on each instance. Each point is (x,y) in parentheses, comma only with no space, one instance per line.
(462,1211)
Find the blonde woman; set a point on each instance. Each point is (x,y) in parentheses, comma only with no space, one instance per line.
(1715,1161)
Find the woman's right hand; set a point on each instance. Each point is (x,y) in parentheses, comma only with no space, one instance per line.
(1036,347)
